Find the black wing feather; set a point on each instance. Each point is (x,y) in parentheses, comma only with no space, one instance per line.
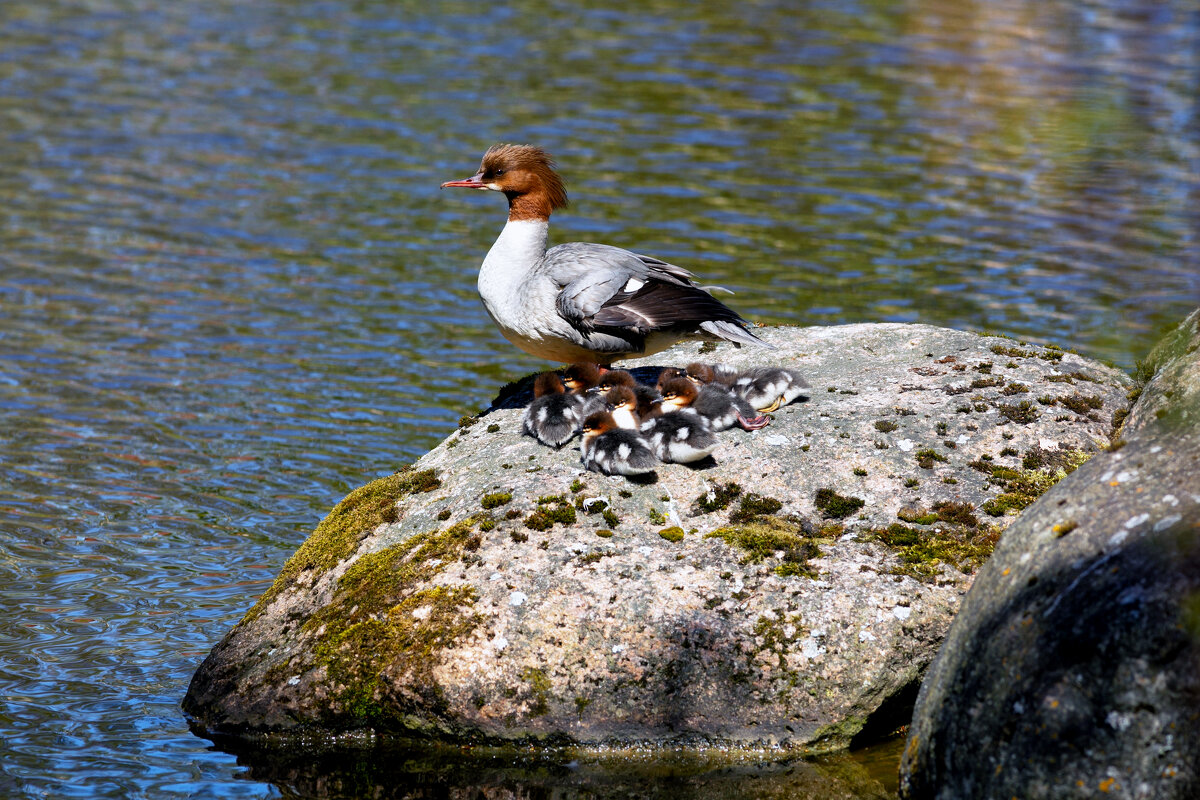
(662,306)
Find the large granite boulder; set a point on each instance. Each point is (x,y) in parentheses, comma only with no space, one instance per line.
(1073,668)
(791,593)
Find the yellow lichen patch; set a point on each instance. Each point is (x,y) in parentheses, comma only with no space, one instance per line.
(336,536)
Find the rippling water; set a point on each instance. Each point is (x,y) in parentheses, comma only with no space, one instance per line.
(230,290)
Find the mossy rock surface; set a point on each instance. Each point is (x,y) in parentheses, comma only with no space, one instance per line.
(1171,395)
(752,602)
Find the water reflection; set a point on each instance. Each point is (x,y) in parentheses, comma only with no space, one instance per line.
(230,291)
(380,770)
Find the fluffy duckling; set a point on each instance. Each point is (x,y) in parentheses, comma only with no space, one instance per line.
(679,437)
(623,405)
(720,408)
(553,417)
(768,388)
(581,379)
(669,374)
(701,373)
(618,377)
(582,376)
(613,450)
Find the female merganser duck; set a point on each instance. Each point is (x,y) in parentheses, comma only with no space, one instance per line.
(679,437)
(720,408)
(553,417)
(768,388)
(613,450)
(578,301)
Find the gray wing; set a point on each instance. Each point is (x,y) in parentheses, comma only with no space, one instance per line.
(592,274)
(613,290)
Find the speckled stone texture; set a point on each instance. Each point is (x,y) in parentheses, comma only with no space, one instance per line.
(524,600)
(1073,669)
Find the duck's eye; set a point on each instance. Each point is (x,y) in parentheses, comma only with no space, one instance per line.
(500,172)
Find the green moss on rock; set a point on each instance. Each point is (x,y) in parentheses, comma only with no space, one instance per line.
(496,499)
(1011,352)
(1082,404)
(378,619)
(916,516)
(336,536)
(539,689)
(960,513)
(755,505)
(1022,413)
(407,639)
(1022,487)
(923,552)
(769,536)
(926,456)
(835,506)
(672,534)
(551,510)
(717,498)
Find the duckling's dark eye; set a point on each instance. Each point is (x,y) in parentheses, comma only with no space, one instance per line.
(500,172)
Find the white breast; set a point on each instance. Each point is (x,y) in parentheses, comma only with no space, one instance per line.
(505,277)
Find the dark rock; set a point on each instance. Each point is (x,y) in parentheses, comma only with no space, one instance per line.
(1073,668)
(497,593)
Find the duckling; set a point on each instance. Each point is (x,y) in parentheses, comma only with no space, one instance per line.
(679,437)
(623,407)
(768,388)
(581,376)
(667,374)
(701,373)
(613,450)
(553,416)
(618,377)
(720,408)
(581,379)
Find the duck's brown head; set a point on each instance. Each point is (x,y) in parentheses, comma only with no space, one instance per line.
(526,176)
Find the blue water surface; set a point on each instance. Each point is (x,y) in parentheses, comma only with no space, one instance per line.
(231,292)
